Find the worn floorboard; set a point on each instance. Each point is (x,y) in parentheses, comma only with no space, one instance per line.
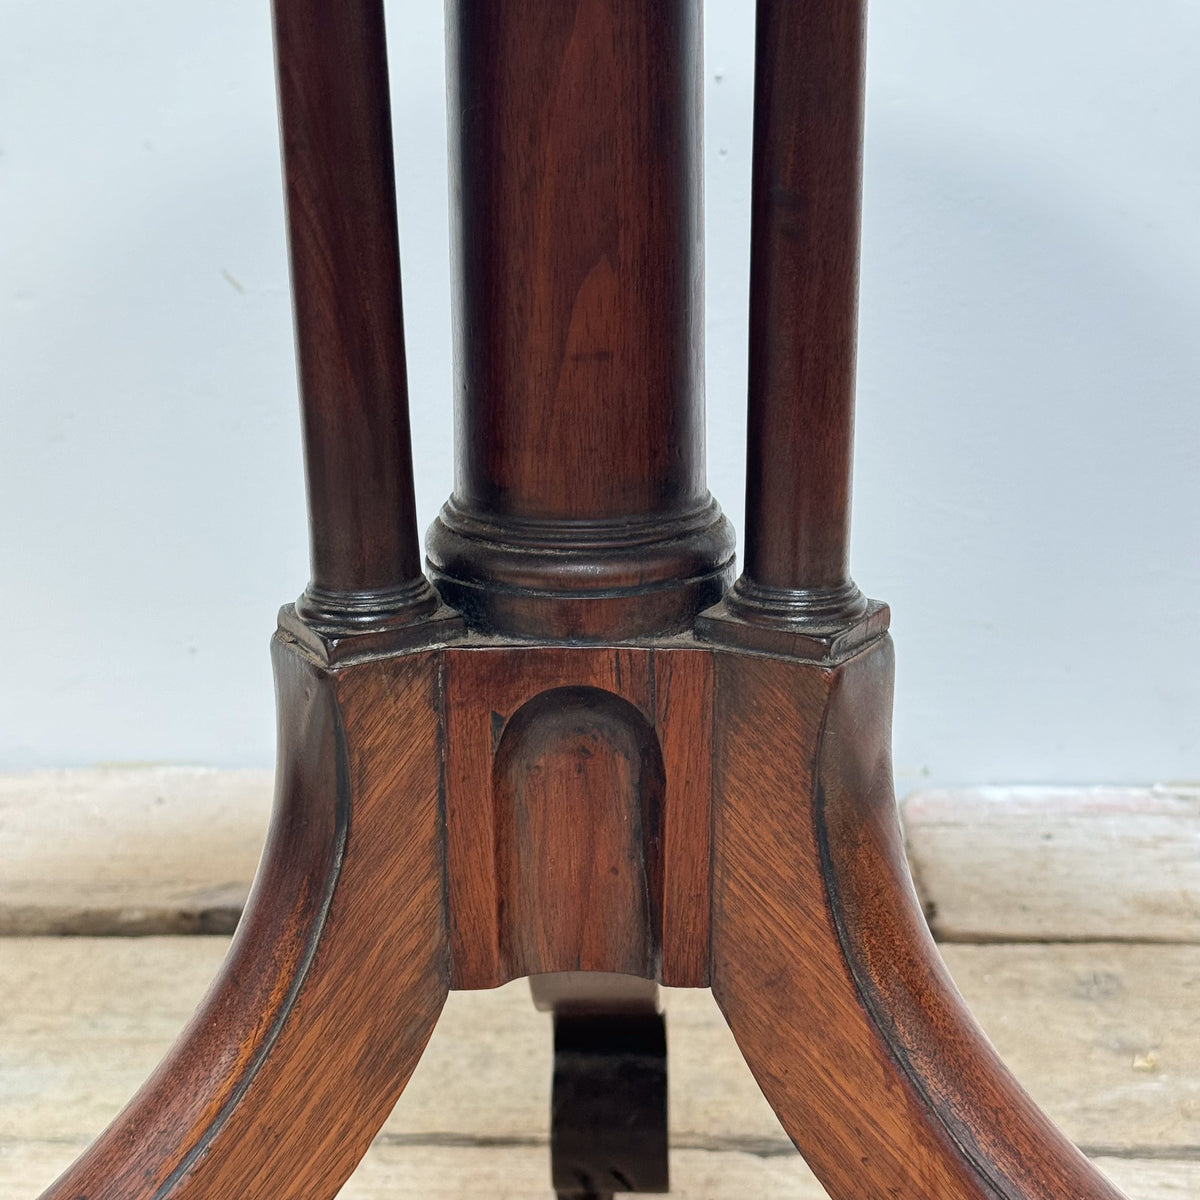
(129,850)
(172,850)
(451,1172)
(1074,918)
(1104,1036)
(1057,864)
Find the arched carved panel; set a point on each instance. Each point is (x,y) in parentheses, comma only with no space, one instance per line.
(577,790)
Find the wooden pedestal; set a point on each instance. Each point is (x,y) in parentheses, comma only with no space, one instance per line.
(590,750)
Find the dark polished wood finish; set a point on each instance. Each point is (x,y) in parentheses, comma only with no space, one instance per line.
(486,851)
(823,965)
(813,937)
(804,235)
(580,507)
(324,1004)
(795,594)
(459,809)
(336,134)
(608,1124)
(607,731)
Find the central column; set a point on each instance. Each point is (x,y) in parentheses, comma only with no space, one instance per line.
(580,508)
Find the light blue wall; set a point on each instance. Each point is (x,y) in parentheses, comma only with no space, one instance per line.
(1028,466)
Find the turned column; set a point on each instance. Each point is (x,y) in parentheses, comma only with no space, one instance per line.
(795,594)
(804,246)
(335,129)
(580,507)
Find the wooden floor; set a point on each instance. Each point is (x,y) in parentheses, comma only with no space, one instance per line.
(1091,994)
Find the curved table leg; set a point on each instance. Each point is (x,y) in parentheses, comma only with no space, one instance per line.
(337,972)
(823,966)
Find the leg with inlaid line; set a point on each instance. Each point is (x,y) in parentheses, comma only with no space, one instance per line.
(337,972)
(823,966)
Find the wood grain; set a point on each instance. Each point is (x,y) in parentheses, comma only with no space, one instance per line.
(251,1099)
(900,1093)
(336,132)
(129,850)
(683,714)
(804,237)
(576,129)
(572,774)
(777,969)
(484,689)
(1057,864)
(814,926)
(580,507)
(518,1172)
(463,813)
(577,783)
(153,850)
(82,1021)
(901,979)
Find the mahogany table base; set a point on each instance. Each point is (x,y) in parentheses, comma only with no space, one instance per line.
(607,756)
(461,815)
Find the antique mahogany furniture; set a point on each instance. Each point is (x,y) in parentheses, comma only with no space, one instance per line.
(590,749)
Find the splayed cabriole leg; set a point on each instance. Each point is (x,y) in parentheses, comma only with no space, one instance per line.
(823,966)
(474,813)
(336,975)
(601,754)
